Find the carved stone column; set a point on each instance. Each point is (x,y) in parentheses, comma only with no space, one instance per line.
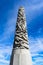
(20,52)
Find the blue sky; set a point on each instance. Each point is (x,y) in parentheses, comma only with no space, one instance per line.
(34,20)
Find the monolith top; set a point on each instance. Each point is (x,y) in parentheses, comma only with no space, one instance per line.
(21,37)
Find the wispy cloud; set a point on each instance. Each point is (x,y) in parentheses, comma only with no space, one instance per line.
(33,10)
(5,52)
(36,6)
(4,61)
(9,27)
(36,44)
(36,48)
(6,38)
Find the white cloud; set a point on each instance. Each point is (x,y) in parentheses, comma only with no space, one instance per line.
(36,46)
(5,52)
(35,7)
(33,10)
(9,27)
(4,61)
(5,48)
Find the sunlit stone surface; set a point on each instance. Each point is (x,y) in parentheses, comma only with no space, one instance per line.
(20,53)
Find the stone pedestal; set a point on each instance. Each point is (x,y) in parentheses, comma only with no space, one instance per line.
(22,57)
